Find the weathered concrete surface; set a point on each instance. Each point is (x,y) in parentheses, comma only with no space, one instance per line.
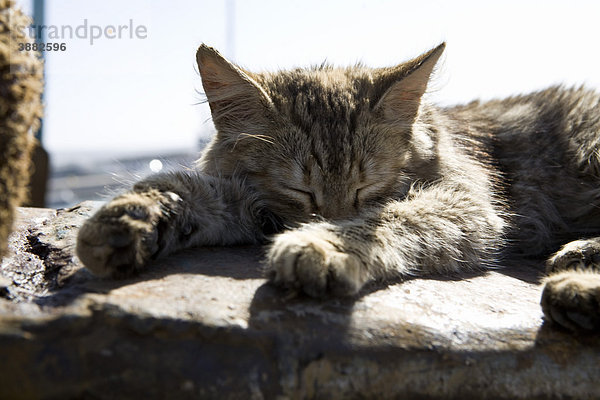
(204,324)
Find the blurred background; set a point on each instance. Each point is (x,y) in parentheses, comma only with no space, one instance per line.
(118,109)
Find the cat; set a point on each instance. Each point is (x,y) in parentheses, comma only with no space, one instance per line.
(351,176)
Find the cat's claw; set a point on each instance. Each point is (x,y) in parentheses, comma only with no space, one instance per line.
(576,255)
(571,299)
(302,262)
(122,236)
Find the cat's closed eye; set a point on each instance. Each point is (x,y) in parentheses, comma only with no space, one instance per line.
(304,194)
(366,191)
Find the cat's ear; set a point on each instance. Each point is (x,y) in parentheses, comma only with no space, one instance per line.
(236,100)
(403,86)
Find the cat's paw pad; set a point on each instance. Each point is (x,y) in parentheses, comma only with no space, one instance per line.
(572,300)
(307,263)
(122,236)
(576,255)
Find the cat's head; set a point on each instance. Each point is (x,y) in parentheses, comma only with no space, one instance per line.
(319,141)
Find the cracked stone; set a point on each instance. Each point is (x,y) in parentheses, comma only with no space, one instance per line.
(205,324)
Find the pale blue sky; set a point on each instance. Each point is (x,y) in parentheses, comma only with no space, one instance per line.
(128,95)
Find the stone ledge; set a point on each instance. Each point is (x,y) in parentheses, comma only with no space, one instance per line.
(204,324)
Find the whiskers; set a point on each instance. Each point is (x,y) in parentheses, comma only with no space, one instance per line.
(264,138)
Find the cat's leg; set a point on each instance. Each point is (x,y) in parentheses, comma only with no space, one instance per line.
(571,295)
(165,213)
(431,231)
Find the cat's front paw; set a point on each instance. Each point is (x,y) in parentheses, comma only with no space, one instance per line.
(571,299)
(124,234)
(576,255)
(305,261)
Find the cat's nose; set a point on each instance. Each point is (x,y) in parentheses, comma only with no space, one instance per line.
(314,217)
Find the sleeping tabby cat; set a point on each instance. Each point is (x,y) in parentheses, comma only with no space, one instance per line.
(352,177)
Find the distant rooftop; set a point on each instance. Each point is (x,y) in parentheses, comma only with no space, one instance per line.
(99,176)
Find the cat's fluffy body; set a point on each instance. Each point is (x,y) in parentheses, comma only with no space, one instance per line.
(360,179)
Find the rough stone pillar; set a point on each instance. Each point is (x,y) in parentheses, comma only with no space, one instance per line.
(20,109)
